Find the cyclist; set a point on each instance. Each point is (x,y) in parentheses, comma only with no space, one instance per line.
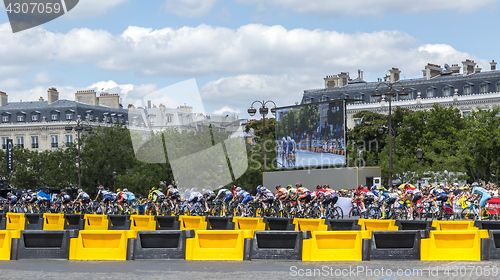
(173,194)
(303,194)
(208,196)
(437,194)
(228,195)
(325,195)
(64,198)
(106,197)
(281,194)
(82,198)
(413,195)
(477,190)
(121,196)
(194,197)
(265,195)
(130,196)
(283,151)
(156,197)
(11,200)
(364,197)
(243,197)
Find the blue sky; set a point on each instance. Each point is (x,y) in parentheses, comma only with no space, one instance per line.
(242,50)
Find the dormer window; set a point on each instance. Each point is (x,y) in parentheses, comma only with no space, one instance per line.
(467,89)
(447,91)
(484,87)
(20,118)
(5,119)
(34,118)
(430,92)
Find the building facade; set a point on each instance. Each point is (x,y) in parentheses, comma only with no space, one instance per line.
(466,87)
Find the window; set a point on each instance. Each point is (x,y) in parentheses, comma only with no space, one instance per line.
(5,119)
(34,142)
(4,142)
(325,98)
(113,119)
(447,91)
(55,117)
(360,97)
(34,118)
(20,142)
(54,141)
(430,93)
(69,140)
(69,117)
(467,89)
(484,87)
(89,117)
(20,118)
(498,86)
(375,98)
(151,119)
(465,113)
(357,121)
(169,119)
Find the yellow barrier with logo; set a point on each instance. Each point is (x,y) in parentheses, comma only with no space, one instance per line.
(452,245)
(193,222)
(15,221)
(369,225)
(141,222)
(333,246)
(454,225)
(96,222)
(244,223)
(100,245)
(217,245)
(53,221)
(6,242)
(310,224)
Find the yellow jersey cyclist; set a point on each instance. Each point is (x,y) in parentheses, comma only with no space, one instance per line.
(156,197)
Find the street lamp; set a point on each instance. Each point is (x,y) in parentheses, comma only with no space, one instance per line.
(114,180)
(263,110)
(419,153)
(80,126)
(390,92)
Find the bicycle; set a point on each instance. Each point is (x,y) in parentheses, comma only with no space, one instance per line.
(471,212)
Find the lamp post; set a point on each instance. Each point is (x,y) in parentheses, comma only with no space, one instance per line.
(419,153)
(79,126)
(263,110)
(114,180)
(390,92)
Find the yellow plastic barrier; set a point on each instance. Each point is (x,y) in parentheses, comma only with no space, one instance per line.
(6,242)
(96,222)
(369,225)
(454,225)
(217,245)
(141,222)
(53,221)
(15,221)
(310,224)
(193,222)
(244,223)
(453,245)
(333,246)
(100,245)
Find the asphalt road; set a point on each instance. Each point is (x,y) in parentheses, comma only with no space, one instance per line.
(180,269)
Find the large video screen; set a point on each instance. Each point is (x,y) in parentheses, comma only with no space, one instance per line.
(311,135)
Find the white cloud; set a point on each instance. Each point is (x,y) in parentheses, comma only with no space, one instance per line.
(90,8)
(206,50)
(224,110)
(41,78)
(354,8)
(189,8)
(10,83)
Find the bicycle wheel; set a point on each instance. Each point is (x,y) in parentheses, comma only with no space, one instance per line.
(373,213)
(489,213)
(447,213)
(340,212)
(468,214)
(353,212)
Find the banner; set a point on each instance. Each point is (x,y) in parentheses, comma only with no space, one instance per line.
(9,155)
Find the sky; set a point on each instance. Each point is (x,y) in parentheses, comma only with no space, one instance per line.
(239,51)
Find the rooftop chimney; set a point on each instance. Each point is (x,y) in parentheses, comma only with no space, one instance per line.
(53,95)
(331,81)
(394,74)
(468,67)
(360,75)
(477,70)
(493,65)
(432,70)
(3,98)
(455,69)
(40,99)
(149,104)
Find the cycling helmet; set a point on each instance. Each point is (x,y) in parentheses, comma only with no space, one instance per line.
(238,189)
(298,185)
(326,186)
(318,187)
(125,190)
(220,187)
(233,188)
(29,191)
(170,186)
(153,188)
(79,190)
(118,190)
(373,187)
(100,187)
(278,187)
(289,187)
(259,187)
(475,184)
